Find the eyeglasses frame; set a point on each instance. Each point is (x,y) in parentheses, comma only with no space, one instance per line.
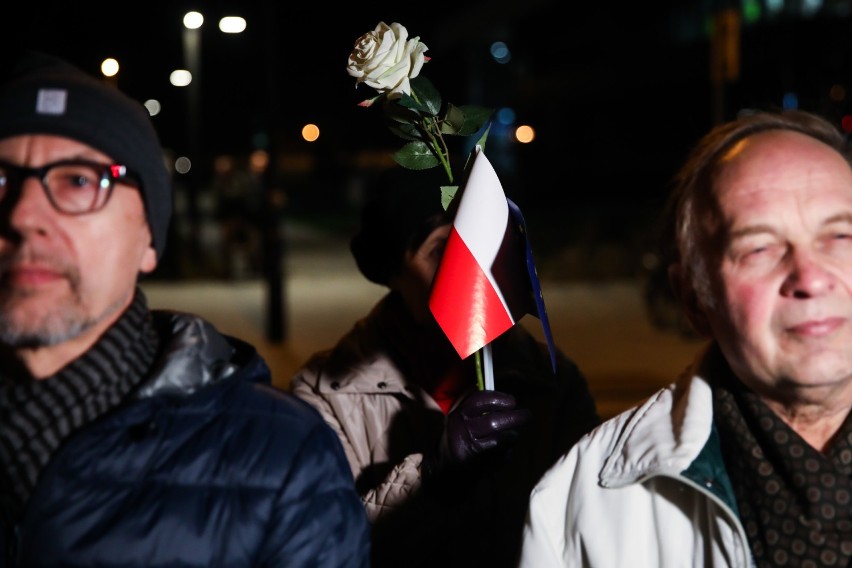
(113,173)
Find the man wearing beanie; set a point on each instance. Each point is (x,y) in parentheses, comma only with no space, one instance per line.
(444,470)
(130,436)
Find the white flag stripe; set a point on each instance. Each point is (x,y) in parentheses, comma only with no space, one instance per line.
(482,216)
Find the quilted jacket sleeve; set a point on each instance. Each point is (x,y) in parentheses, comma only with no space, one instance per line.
(303,386)
(358,431)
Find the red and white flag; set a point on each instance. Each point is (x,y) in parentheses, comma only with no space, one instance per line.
(486,281)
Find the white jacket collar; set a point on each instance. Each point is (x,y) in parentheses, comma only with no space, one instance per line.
(665,434)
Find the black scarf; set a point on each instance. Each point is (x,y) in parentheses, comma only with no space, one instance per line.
(36,416)
(795,502)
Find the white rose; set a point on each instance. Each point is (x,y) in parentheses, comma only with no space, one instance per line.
(386,59)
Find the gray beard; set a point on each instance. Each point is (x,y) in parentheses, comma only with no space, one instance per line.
(53,329)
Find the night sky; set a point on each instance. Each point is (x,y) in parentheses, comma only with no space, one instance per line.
(617,91)
(597,64)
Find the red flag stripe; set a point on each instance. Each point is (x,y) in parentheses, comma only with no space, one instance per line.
(464,301)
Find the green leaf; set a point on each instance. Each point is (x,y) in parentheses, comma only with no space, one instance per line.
(475,118)
(448,192)
(453,120)
(404,124)
(425,92)
(406,131)
(400,113)
(481,141)
(416,156)
(407,102)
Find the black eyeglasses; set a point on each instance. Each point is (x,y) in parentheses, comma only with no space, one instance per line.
(73,187)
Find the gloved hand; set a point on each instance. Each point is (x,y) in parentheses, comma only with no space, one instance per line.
(481,425)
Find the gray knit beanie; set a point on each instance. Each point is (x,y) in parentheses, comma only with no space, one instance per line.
(47,95)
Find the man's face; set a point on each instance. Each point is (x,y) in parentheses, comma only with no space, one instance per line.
(65,277)
(779,253)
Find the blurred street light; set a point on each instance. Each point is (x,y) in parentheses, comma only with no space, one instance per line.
(310,132)
(109,67)
(180,78)
(232,24)
(193,20)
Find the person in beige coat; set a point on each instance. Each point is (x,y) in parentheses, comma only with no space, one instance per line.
(444,470)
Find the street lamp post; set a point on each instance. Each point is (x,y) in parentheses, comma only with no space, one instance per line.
(274,244)
(274,247)
(192,22)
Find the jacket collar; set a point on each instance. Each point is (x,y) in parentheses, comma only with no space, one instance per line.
(665,434)
(377,375)
(372,357)
(192,355)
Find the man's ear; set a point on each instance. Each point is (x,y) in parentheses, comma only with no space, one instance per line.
(149,260)
(688,299)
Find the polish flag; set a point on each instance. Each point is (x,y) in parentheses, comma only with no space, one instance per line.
(486,281)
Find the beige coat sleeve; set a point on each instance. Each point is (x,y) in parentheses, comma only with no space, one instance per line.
(359,421)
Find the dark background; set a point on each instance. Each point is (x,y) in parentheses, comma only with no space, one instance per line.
(616,91)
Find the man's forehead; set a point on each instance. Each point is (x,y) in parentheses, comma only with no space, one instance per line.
(746,210)
(34,149)
(780,160)
(779,144)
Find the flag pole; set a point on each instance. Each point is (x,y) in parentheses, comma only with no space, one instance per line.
(488,366)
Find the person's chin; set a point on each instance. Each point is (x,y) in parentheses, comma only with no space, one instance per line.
(33,302)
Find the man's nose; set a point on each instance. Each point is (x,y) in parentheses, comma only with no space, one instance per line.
(25,207)
(808,276)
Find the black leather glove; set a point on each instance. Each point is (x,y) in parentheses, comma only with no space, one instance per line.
(478,428)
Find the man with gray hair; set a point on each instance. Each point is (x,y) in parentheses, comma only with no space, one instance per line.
(130,436)
(746,460)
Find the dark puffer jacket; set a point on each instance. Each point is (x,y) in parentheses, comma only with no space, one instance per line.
(208,466)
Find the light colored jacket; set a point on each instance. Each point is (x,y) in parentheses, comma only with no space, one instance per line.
(364,389)
(647,488)
(360,405)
